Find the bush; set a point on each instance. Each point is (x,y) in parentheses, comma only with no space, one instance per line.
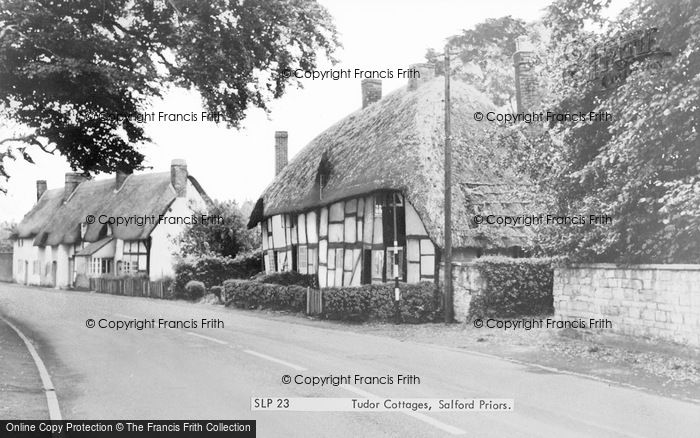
(214,270)
(217,290)
(194,290)
(419,303)
(247,294)
(513,287)
(289,278)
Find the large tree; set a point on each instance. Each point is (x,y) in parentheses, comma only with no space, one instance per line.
(643,166)
(74,74)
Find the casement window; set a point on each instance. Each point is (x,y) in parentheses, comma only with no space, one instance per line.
(135,259)
(302,259)
(100,266)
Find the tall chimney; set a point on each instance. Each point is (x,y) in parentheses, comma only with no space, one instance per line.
(178,177)
(371,91)
(40,188)
(280,151)
(73,179)
(525,81)
(423,72)
(119,178)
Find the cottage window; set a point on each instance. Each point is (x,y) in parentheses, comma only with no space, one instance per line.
(135,259)
(302,259)
(312,257)
(99,266)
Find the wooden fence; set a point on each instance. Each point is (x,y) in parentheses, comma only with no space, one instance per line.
(314,301)
(132,287)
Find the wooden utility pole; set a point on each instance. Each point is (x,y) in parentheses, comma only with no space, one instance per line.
(448,301)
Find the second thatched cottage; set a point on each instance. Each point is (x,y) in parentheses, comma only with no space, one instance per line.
(372,185)
(126,225)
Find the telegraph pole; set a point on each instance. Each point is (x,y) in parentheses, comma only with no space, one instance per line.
(448,301)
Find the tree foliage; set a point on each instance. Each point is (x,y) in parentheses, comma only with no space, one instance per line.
(227,237)
(485,57)
(643,166)
(74,73)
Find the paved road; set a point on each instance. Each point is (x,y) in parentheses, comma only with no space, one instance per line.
(213,373)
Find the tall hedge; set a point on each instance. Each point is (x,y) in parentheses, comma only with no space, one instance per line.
(214,270)
(513,287)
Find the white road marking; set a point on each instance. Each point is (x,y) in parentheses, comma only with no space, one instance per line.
(274,359)
(218,341)
(417,415)
(49,390)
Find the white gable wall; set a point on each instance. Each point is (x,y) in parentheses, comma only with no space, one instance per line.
(164,245)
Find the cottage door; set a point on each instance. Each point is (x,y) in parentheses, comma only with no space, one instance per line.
(53,274)
(26,272)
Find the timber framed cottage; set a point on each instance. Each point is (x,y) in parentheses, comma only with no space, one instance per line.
(372,186)
(66,239)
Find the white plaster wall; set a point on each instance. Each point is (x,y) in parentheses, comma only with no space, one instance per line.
(164,245)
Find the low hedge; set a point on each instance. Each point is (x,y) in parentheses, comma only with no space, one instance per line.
(246,294)
(513,287)
(419,302)
(213,270)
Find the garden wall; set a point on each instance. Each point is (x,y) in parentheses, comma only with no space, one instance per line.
(659,301)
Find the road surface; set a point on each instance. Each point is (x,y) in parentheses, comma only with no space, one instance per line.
(213,373)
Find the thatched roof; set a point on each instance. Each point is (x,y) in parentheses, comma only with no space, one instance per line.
(398,144)
(51,221)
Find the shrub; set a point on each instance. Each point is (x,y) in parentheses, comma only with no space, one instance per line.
(194,290)
(214,270)
(217,290)
(419,303)
(247,294)
(288,278)
(513,287)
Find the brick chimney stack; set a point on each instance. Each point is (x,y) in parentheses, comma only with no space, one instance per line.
(178,177)
(73,180)
(525,81)
(40,188)
(425,72)
(280,151)
(371,91)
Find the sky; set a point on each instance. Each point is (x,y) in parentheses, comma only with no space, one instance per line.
(239,164)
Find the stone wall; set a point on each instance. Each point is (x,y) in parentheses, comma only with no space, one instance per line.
(466,282)
(654,301)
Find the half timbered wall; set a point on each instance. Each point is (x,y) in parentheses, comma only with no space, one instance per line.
(344,244)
